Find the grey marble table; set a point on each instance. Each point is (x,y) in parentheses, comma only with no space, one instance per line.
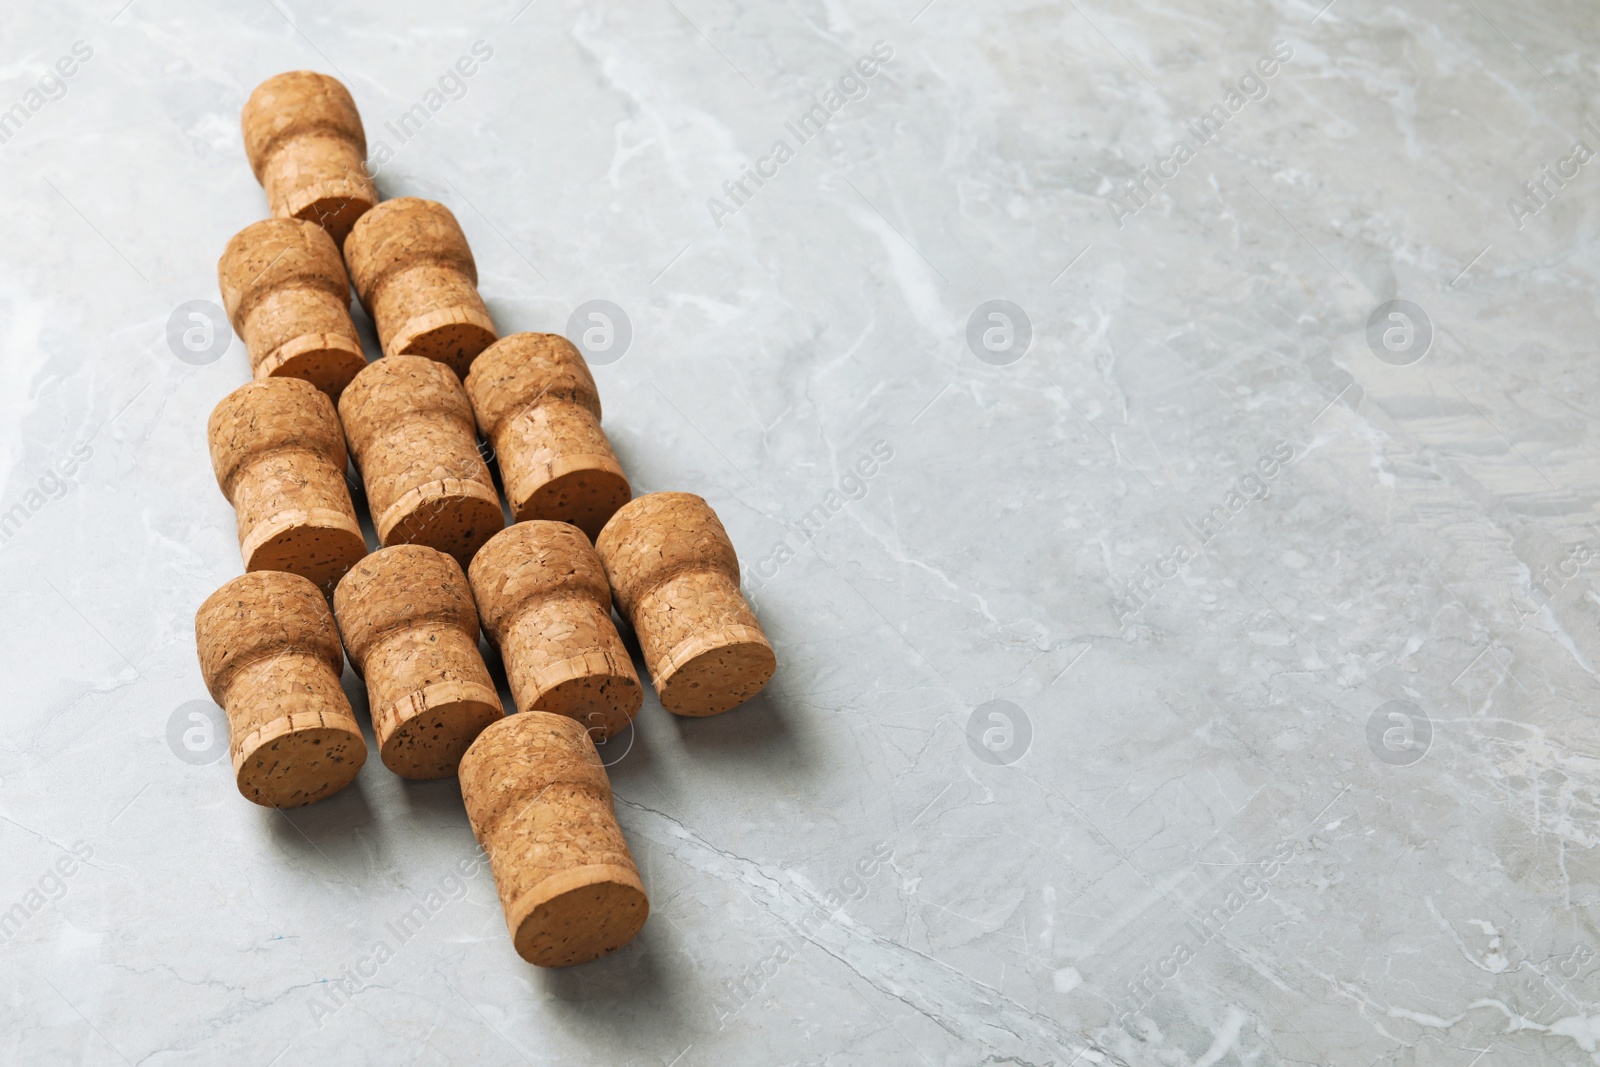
(1161,444)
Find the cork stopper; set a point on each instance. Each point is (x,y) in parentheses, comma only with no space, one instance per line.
(416,277)
(408,620)
(286,293)
(540,806)
(536,400)
(270,656)
(676,580)
(544,601)
(409,425)
(279,455)
(307,148)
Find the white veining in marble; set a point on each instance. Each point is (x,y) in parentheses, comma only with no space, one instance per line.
(1197,689)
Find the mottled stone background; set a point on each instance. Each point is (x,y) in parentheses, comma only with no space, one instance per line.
(1199,677)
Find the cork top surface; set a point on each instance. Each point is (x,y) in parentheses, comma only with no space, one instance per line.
(403,233)
(396,387)
(519,370)
(259,615)
(656,537)
(530,561)
(294,104)
(515,758)
(397,587)
(268,415)
(275,254)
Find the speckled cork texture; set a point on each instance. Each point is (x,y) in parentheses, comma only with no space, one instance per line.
(411,627)
(410,427)
(286,293)
(280,459)
(543,598)
(306,145)
(270,655)
(416,277)
(676,579)
(536,400)
(540,805)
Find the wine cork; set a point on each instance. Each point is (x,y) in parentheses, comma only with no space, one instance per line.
(304,139)
(676,581)
(287,295)
(544,601)
(279,455)
(270,656)
(540,806)
(409,425)
(408,620)
(416,277)
(536,400)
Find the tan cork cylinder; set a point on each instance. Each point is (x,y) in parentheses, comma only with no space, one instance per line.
(411,627)
(279,455)
(284,286)
(409,425)
(536,400)
(304,139)
(270,655)
(540,806)
(676,580)
(416,277)
(543,598)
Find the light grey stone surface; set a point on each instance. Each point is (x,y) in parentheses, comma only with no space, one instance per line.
(1197,831)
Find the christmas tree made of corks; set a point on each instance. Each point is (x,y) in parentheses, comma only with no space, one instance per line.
(408,615)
